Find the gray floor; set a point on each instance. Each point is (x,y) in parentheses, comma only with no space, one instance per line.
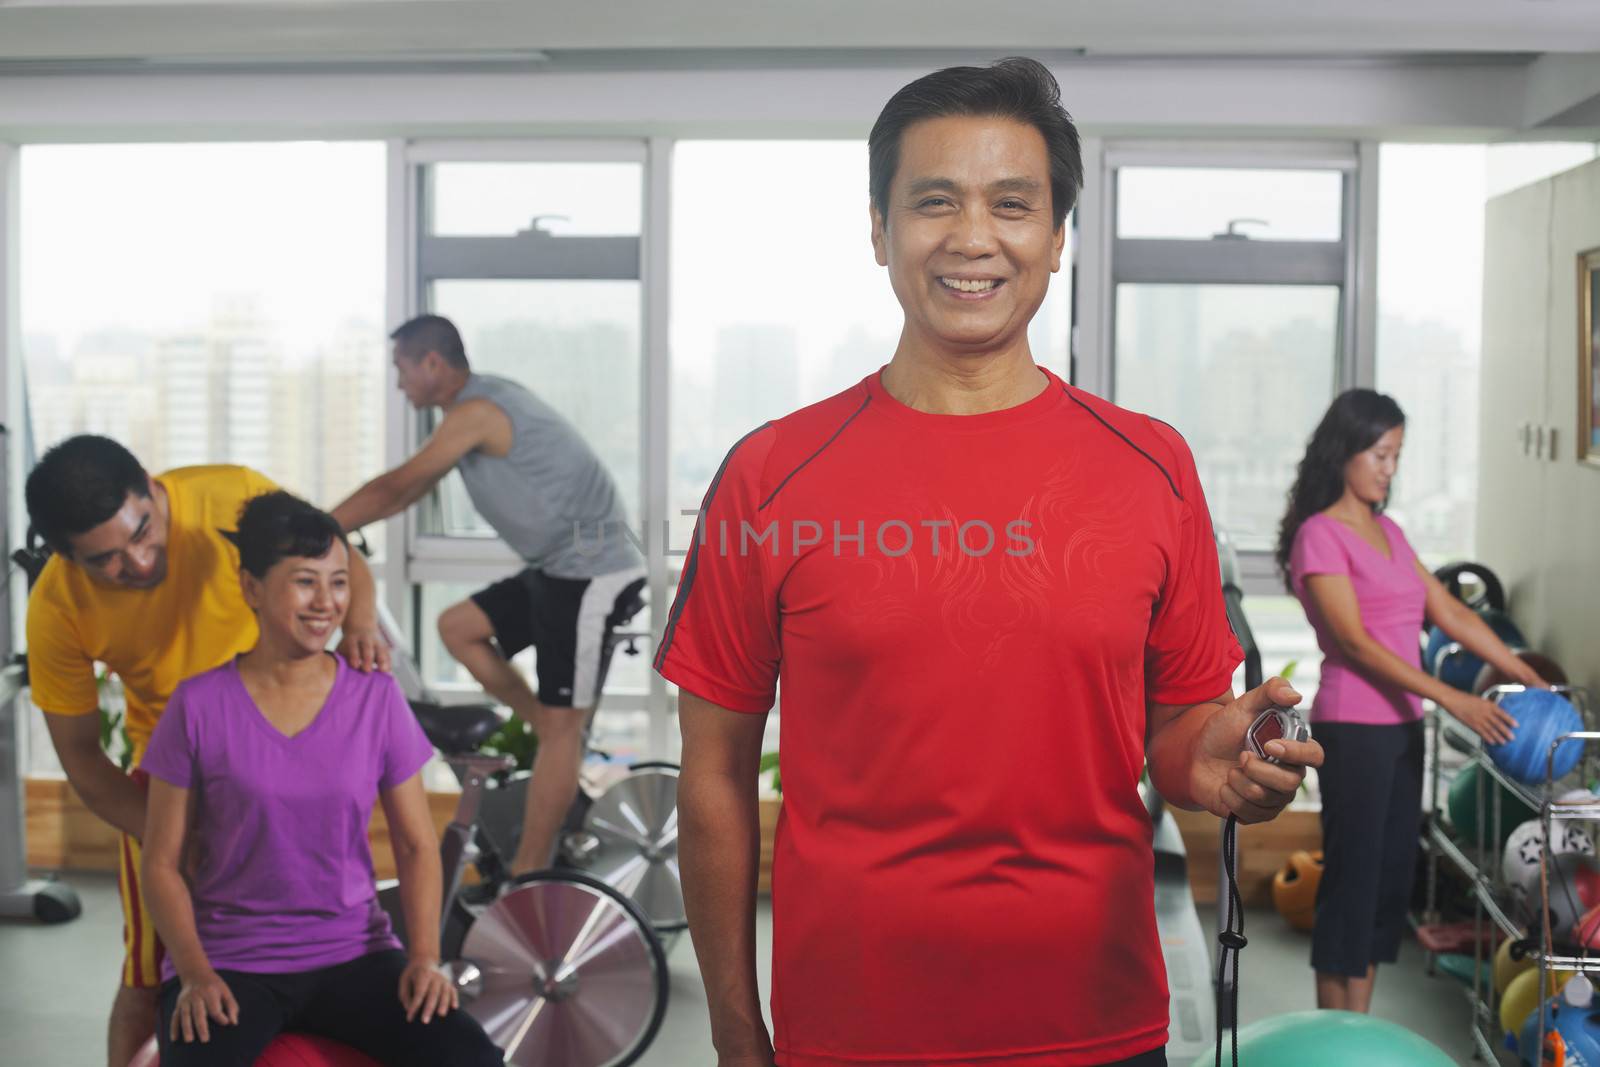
(56,985)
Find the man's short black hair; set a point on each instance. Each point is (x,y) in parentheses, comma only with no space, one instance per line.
(1015,88)
(276,526)
(79,484)
(432,333)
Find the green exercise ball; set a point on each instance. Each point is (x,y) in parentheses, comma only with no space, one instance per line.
(1463,807)
(1331,1039)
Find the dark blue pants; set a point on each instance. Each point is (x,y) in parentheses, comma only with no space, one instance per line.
(1371,815)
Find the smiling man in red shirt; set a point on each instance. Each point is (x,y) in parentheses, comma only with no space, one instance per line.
(990,599)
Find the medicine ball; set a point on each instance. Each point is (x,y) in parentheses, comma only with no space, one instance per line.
(1542,716)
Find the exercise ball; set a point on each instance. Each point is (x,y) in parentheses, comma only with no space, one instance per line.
(1522,996)
(1510,960)
(1574,889)
(1519,862)
(1458,667)
(1331,1039)
(1294,888)
(286,1050)
(1587,932)
(1571,1035)
(1547,668)
(1463,806)
(1464,968)
(1542,716)
(306,1050)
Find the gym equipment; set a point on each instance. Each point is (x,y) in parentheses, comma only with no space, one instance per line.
(1519,862)
(286,1050)
(1571,1030)
(1547,668)
(1474,584)
(1574,884)
(1294,888)
(1511,959)
(1463,805)
(1587,932)
(1453,664)
(21,897)
(558,966)
(1192,1014)
(1465,969)
(1542,715)
(627,836)
(1522,996)
(1332,1039)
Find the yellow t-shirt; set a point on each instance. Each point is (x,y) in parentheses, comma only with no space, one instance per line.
(151,639)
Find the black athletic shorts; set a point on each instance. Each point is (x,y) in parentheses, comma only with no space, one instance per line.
(565,621)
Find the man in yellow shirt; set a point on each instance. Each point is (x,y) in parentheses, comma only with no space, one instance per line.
(145,580)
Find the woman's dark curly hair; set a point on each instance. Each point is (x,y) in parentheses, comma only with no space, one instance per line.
(1353,424)
(275,526)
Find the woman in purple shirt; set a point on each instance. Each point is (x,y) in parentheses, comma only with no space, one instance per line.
(1366,595)
(263,774)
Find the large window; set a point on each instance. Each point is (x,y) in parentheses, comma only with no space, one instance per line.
(538,263)
(1229,317)
(209,304)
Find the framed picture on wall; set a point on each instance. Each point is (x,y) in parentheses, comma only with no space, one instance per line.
(1589,358)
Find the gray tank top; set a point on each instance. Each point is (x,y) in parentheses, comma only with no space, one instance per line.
(549,498)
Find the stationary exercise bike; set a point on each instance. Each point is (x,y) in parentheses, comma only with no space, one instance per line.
(559,966)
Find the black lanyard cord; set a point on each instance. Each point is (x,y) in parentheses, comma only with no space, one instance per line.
(1232,942)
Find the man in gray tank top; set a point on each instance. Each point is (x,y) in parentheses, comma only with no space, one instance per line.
(548,496)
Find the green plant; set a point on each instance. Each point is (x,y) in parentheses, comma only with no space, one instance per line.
(516,739)
(113,727)
(769,762)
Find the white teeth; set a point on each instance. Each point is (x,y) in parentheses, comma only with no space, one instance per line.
(966,285)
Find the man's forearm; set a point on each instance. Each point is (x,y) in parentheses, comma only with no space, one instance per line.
(363,593)
(1170,756)
(719,846)
(376,500)
(107,792)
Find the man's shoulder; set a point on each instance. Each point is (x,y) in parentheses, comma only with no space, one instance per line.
(227,485)
(1119,428)
(774,449)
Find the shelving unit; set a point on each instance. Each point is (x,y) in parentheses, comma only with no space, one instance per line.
(1482,870)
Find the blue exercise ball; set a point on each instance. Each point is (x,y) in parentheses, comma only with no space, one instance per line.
(1574,1031)
(1459,669)
(1542,716)
(1332,1039)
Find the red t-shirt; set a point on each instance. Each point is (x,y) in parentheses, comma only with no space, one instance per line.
(967,615)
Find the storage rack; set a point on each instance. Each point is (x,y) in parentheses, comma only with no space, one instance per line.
(1482,869)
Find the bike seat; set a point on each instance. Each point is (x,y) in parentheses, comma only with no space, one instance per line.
(627,610)
(456,729)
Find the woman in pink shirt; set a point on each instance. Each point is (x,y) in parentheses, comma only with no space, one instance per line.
(1366,595)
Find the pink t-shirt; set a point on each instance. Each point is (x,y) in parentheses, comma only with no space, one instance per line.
(1391,598)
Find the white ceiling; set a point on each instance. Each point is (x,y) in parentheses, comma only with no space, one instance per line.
(463,31)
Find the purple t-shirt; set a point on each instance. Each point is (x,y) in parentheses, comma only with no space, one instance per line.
(1391,598)
(285,879)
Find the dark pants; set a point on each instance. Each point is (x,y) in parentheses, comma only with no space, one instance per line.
(1154,1058)
(356,1003)
(1371,815)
